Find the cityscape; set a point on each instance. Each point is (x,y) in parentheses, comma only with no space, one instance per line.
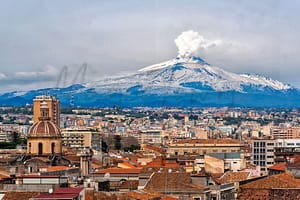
(156,100)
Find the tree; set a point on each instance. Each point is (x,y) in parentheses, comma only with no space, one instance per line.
(104,146)
(117,142)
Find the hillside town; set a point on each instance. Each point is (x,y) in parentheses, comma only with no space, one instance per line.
(49,152)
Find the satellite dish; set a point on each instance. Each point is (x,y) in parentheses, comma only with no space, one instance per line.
(50,191)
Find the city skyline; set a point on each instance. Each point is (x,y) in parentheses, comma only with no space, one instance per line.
(39,38)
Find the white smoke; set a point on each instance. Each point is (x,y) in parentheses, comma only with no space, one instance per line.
(189,43)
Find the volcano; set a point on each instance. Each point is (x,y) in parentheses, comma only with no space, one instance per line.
(181,82)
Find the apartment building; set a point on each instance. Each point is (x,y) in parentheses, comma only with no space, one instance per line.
(263,153)
(283,132)
(286,148)
(204,146)
(80,137)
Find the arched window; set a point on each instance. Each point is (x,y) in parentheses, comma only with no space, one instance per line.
(29,147)
(40,148)
(53,148)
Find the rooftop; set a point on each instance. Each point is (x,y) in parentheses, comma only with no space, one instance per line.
(279,167)
(177,182)
(230,177)
(208,141)
(284,180)
(119,171)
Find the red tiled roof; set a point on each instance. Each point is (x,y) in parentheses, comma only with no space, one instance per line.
(58,168)
(68,190)
(284,180)
(175,182)
(19,195)
(130,184)
(230,177)
(119,171)
(56,196)
(126,164)
(153,148)
(278,167)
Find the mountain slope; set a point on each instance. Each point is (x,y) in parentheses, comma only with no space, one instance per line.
(188,81)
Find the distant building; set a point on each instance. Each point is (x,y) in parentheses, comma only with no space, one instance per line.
(285,149)
(150,137)
(204,146)
(80,137)
(285,132)
(53,105)
(263,153)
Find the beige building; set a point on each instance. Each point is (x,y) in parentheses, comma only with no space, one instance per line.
(53,105)
(80,137)
(285,132)
(204,146)
(150,137)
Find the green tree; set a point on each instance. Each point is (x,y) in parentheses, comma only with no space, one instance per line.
(104,146)
(118,144)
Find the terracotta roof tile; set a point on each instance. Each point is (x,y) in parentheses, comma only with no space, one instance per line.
(284,180)
(230,177)
(58,168)
(19,195)
(119,171)
(278,167)
(175,182)
(130,184)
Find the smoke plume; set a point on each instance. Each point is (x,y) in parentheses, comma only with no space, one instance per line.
(189,43)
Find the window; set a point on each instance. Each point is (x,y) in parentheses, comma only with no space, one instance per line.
(53,148)
(40,148)
(262,144)
(29,147)
(270,150)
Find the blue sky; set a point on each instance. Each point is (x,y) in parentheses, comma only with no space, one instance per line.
(38,38)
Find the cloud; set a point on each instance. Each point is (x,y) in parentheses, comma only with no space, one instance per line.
(189,43)
(2,76)
(48,73)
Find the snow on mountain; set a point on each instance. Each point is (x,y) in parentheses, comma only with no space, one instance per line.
(189,74)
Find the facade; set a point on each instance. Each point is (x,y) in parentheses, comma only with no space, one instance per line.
(80,137)
(150,137)
(285,132)
(44,136)
(263,153)
(286,148)
(204,146)
(53,105)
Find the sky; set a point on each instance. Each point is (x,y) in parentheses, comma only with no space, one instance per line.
(38,39)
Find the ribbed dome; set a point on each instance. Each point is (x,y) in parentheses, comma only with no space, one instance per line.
(44,128)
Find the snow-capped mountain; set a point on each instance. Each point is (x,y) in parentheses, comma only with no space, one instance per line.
(183,81)
(190,74)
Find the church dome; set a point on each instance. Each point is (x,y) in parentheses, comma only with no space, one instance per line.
(44,128)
